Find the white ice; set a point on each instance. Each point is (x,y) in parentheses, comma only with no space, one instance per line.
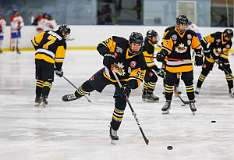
(79,130)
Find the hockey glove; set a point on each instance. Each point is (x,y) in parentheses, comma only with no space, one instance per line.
(161,55)
(59,72)
(108,60)
(198,59)
(126,91)
(207,53)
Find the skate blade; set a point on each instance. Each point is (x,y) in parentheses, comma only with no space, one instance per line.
(114,142)
(165,112)
(37,104)
(150,101)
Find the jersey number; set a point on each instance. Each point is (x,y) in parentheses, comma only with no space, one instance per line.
(51,39)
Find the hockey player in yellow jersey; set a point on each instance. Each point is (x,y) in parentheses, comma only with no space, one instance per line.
(216,49)
(50,49)
(176,46)
(125,58)
(152,71)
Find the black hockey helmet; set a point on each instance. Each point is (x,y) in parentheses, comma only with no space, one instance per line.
(151,33)
(228,33)
(64,30)
(182,19)
(136,37)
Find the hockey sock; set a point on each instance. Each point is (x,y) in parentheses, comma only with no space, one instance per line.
(46,89)
(200,80)
(190,92)
(168,89)
(39,86)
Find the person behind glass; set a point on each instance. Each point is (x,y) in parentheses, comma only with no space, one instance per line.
(17,23)
(175,53)
(124,58)
(2,30)
(50,49)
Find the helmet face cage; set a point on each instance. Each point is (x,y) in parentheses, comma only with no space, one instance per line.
(136,37)
(64,29)
(229,33)
(182,19)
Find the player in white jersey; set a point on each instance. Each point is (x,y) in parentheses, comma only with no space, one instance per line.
(17,23)
(46,23)
(2,29)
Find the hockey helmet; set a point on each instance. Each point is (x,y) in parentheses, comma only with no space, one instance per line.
(136,37)
(151,33)
(182,19)
(228,33)
(64,30)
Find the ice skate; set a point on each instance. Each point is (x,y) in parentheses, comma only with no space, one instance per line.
(44,102)
(197,91)
(165,109)
(231,92)
(69,97)
(113,135)
(149,97)
(192,106)
(38,101)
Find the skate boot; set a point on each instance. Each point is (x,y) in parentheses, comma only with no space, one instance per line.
(69,97)
(197,91)
(45,102)
(38,101)
(166,107)
(113,135)
(149,97)
(192,106)
(231,92)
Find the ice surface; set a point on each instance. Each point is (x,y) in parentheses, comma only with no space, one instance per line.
(79,130)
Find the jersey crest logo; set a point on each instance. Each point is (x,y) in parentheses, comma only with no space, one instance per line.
(181,48)
(174,37)
(133,64)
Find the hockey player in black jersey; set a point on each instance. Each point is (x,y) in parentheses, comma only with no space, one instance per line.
(50,49)
(216,48)
(125,58)
(175,53)
(152,70)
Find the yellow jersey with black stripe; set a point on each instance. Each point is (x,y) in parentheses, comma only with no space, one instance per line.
(178,46)
(131,65)
(148,52)
(217,45)
(50,47)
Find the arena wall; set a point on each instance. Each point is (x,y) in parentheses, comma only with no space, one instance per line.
(86,37)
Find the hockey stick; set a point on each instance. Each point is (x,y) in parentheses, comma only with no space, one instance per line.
(76,88)
(133,112)
(183,101)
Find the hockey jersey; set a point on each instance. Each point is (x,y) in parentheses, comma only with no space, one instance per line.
(16,23)
(50,47)
(217,46)
(148,52)
(131,66)
(178,46)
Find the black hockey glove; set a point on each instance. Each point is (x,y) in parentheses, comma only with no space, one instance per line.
(198,59)
(59,72)
(108,60)
(161,55)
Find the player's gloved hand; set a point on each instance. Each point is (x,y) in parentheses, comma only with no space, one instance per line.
(108,60)
(161,56)
(160,73)
(198,59)
(59,72)
(207,53)
(126,91)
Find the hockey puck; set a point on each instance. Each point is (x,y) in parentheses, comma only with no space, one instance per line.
(169,147)
(213,121)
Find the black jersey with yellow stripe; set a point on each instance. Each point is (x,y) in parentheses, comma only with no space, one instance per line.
(131,66)
(217,45)
(178,46)
(148,52)
(50,47)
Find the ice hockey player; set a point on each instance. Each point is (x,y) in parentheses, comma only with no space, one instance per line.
(193,27)
(50,49)
(152,70)
(216,48)
(2,29)
(17,23)
(46,23)
(176,46)
(125,58)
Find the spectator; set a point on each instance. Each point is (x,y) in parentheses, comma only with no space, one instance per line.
(2,29)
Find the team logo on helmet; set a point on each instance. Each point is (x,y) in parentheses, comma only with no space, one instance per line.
(133,64)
